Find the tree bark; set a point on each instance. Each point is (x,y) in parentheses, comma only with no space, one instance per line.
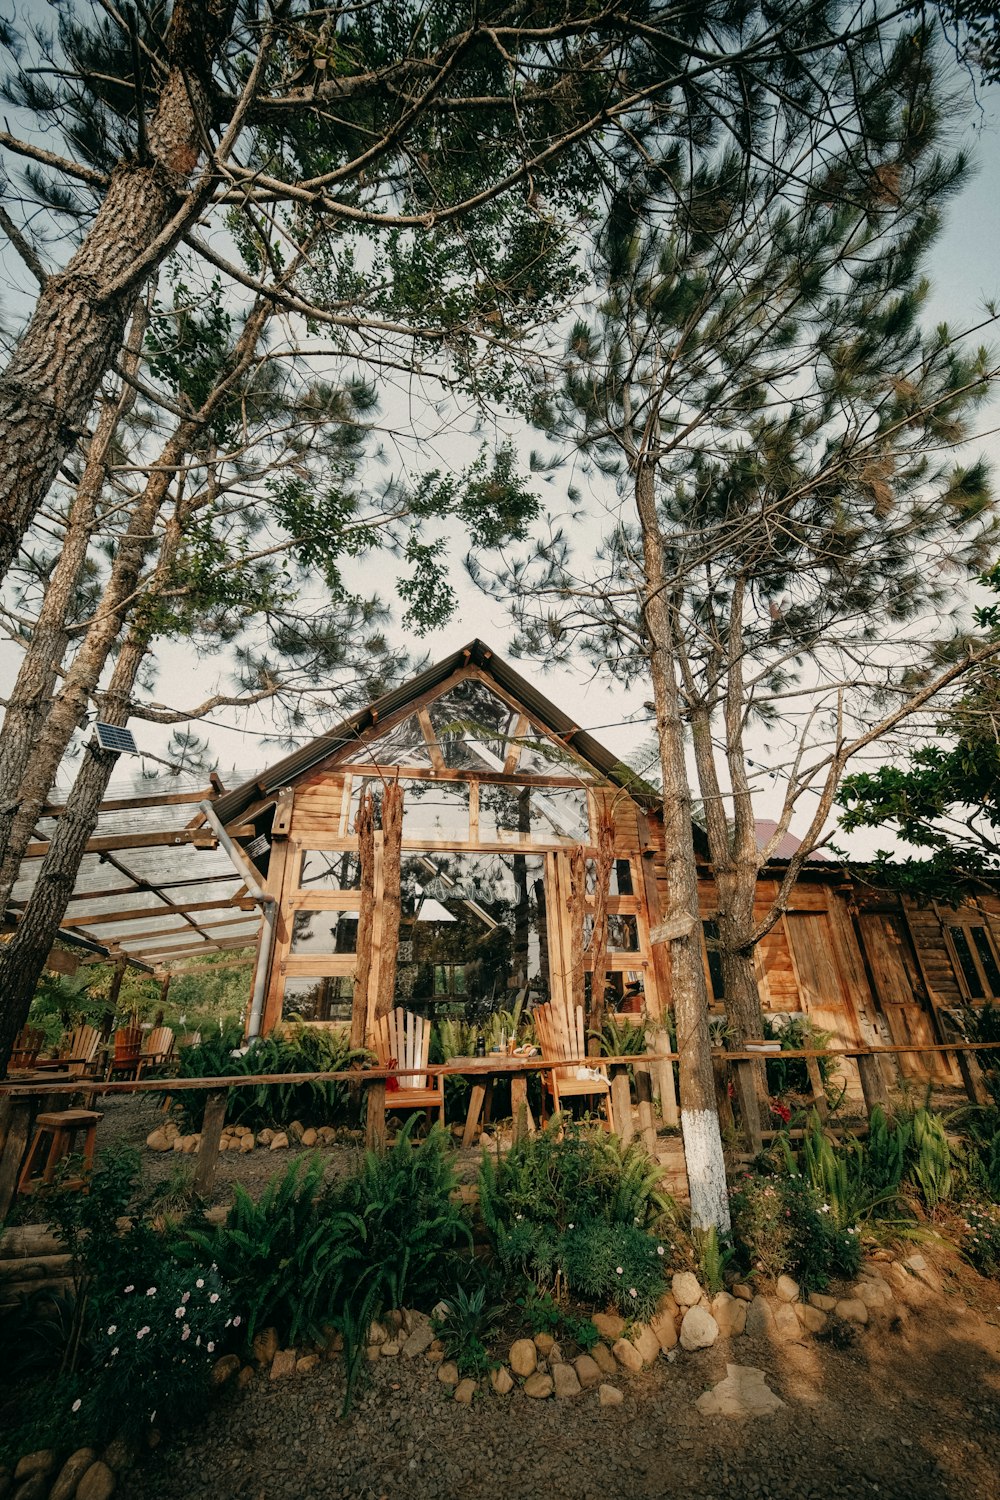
(599,934)
(392,839)
(79,320)
(577,911)
(364,826)
(31,698)
(703,1154)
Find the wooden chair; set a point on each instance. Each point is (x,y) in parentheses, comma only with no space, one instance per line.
(126,1058)
(27,1045)
(157,1049)
(54,1138)
(81,1049)
(561,1034)
(403,1040)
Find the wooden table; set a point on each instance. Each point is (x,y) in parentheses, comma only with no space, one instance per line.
(481,1072)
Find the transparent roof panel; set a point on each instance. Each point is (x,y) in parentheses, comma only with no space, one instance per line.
(473,726)
(403,746)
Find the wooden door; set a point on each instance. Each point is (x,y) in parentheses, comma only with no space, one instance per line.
(900,994)
(823,992)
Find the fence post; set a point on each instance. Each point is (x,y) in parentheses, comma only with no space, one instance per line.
(621,1104)
(819,1100)
(746,1094)
(972,1077)
(208,1147)
(15,1145)
(644,1099)
(375,1116)
(659,1041)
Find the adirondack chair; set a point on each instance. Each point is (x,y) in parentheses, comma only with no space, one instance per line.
(402,1040)
(81,1049)
(157,1049)
(27,1045)
(561,1034)
(126,1060)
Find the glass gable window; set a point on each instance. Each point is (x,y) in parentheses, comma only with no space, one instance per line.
(324,932)
(473,929)
(436,810)
(472,726)
(553,815)
(403,746)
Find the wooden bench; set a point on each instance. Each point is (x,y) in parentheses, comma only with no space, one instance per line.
(562,1035)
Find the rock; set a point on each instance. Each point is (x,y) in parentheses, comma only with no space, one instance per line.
(119,1455)
(464,1391)
(743,1393)
(604,1359)
(610,1395)
(543,1342)
(822,1301)
(418,1340)
(523,1357)
(265,1345)
(786,1325)
(538,1386)
(919,1266)
(247,1143)
(245,1378)
(265,1137)
(908,1287)
(334,1341)
(665,1329)
(852,1310)
(309,1362)
(609,1325)
(686,1289)
(730,1314)
(787,1289)
(588,1371)
(502,1381)
(377,1333)
(627,1355)
(742,1291)
(327,1135)
(71,1473)
(32,1488)
(760,1318)
(448,1372)
(279,1142)
(224,1369)
(699,1330)
(435,1356)
(158,1140)
(309,1137)
(646,1342)
(98,1483)
(555,1355)
(813,1319)
(565,1380)
(283,1364)
(43,1461)
(373,1353)
(874,1294)
(390,1349)
(296,1130)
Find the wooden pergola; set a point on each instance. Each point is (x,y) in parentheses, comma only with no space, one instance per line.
(156,885)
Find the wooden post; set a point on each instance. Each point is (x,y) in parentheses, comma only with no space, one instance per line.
(621,1105)
(720,1070)
(746,1095)
(819,1099)
(208,1147)
(523,1123)
(972,1077)
(663,1073)
(477,1095)
(15,1145)
(644,1097)
(872,1083)
(375,1116)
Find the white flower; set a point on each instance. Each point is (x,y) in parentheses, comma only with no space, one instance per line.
(211,1348)
(185,1332)
(76,1404)
(185,1296)
(618,1271)
(237,1321)
(214,1297)
(571,1226)
(151,1291)
(200,1282)
(142,1332)
(824,1208)
(114,1351)
(130,1289)
(659,1249)
(112,1330)
(632,1292)
(179,1312)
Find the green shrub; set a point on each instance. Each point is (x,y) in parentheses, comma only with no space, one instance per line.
(929,1167)
(981,1243)
(781,1224)
(784,1074)
(572,1204)
(620,1037)
(980,1156)
(982,1024)
(543,1314)
(297,1049)
(466,1322)
(714,1255)
(856,1179)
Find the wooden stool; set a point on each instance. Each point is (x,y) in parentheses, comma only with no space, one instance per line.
(62,1127)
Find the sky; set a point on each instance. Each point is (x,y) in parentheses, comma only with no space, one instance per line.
(965,272)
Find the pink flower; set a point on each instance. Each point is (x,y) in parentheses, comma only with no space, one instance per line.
(185,1332)
(179,1312)
(142,1332)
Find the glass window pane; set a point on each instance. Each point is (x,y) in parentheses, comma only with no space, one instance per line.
(319,932)
(473,930)
(541,756)
(967,962)
(330,870)
(436,810)
(327,999)
(360,784)
(987,958)
(553,815)
(472,725)
(623,933)
(403,746)
(620,882)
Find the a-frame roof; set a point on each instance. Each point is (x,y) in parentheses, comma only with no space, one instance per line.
(478,654)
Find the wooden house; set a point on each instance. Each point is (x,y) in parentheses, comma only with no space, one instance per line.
(499,787)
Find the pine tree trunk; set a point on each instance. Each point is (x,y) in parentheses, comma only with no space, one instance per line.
(706,1168)
(79,320)
(392,843)
(364,827)
(31,698)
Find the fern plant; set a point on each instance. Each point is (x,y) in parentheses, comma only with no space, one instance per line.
(930,1159)
(296,1049)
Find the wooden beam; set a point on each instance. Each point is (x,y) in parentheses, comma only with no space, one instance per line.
(208,1147)
(192,929)
(210,945)
(126,804)
(172,909)
(111,841)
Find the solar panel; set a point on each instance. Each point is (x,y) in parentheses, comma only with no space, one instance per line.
(113,737)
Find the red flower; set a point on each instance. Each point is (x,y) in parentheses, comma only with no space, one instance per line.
(392,1084)
(779,1108)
